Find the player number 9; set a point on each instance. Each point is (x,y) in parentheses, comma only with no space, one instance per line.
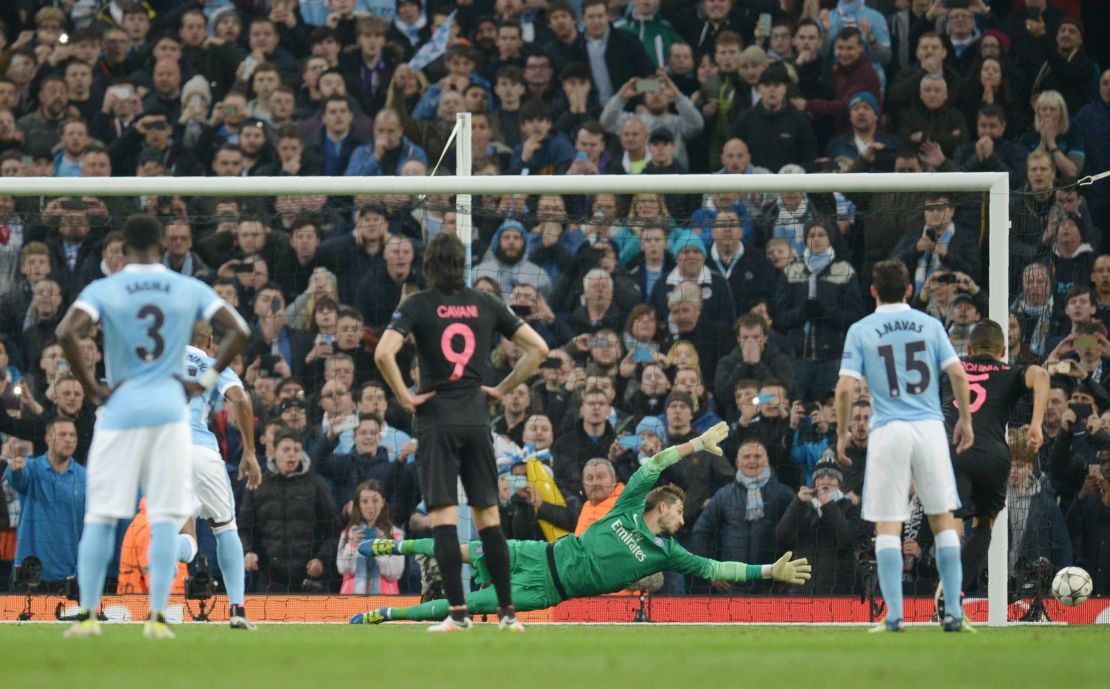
(459,359)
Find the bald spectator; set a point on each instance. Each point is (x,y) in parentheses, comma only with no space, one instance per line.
(684,126)
(601,488)
(388,151)
(634,149)
(166,92)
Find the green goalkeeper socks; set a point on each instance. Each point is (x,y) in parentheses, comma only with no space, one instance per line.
(419,546)
(432,610)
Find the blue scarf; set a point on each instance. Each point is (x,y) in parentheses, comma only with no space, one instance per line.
(818,262)
(754,505)
(930,261)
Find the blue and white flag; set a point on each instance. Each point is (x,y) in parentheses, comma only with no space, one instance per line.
(435,47)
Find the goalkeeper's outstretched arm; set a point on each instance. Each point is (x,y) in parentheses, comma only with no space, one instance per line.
(645,477)
(784,570)
(710,441)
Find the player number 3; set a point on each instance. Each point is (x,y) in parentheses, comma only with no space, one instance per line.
(459,359)
(153,332)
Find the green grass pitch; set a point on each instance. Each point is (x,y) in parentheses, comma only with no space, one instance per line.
(564,657)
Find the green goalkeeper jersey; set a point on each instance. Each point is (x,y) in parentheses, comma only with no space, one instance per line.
(619,549)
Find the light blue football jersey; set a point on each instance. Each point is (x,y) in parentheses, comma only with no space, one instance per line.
(197,363)
(147,314)
(901,353)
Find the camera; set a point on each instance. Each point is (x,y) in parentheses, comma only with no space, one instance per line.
(1082,411)
(947,278)
(200,586)
(552,362)
(27,575)
(522,310)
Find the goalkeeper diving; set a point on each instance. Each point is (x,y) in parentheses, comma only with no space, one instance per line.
(634,540)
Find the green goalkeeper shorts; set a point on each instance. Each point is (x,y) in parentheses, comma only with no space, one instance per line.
(533,588)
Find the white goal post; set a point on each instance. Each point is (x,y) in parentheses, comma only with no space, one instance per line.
(463,186)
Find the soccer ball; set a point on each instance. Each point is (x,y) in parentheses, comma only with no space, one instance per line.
(1072,585)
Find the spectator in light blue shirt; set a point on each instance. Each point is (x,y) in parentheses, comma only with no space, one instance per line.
(51,490)
(75,137)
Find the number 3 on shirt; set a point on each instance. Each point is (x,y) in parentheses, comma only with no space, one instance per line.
(459,359)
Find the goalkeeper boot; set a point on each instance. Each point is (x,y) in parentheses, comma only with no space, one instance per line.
(86,625)
(379,546)
(376,616)
(238,619)
(887,626)
(156,628)
(958,624)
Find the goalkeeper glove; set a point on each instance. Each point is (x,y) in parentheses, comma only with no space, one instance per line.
(711,439)
(789,571)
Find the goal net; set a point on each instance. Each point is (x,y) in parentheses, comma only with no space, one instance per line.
(684,299)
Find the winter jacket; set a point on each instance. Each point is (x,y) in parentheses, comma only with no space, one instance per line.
(776,138)
(655,33)
(773,364)
(847,81)
(723,531)
(570,453)
(345,471)
(364,163)
(825,539)
(945,126)
(816,327)
(289,520)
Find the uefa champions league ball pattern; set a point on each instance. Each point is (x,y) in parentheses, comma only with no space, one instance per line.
(1072,585)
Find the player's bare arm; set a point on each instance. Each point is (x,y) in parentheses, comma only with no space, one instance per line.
(845,389)
(963,436)
(69,332)
(1037,380)
(385,357)
(244,414)
(234,335)
(535,350)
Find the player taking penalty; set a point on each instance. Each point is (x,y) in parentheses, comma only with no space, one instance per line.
(983,472)
(453,326)
(211,486)
(141,438)
(636,539)
(901,352)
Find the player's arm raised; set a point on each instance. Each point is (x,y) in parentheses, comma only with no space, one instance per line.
(1037,380)
(535,350)
(385,357)
(76,323)
(963,436)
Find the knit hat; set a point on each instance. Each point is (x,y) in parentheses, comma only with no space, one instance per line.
(679,396)
(197,86)
(1072,20)
(864,97)
(689,242)
(753,53)
(828,465)
(1002,38)
(652,424)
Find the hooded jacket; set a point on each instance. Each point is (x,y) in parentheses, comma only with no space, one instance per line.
(289,520)
(510,273)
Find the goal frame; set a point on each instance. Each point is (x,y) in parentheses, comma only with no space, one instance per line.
(996,184)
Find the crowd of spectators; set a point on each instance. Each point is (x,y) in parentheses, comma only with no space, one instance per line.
(665,313)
